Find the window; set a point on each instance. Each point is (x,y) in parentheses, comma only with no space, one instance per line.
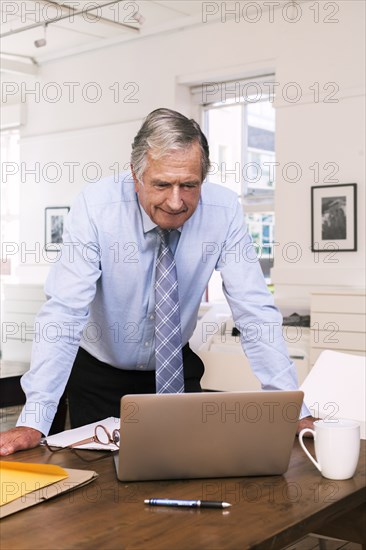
(241,135)
(10,189)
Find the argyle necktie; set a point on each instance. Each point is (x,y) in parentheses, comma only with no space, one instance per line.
(168,339)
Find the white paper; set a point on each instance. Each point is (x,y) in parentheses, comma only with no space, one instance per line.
(69,437)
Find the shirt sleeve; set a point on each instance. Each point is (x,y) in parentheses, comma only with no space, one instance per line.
(70,288)
(254,312)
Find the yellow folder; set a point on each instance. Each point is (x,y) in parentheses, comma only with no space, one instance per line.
(25,484)
(19,478)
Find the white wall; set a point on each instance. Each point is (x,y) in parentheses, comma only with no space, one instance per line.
(322,132)
(160,68)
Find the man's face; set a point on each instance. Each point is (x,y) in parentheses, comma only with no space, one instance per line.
(171,186)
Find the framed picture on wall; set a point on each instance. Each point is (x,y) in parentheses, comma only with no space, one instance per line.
(54,226)
(334,218)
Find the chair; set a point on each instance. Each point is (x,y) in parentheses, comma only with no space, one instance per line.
(336,387)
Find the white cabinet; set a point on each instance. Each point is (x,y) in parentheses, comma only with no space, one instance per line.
(338,321)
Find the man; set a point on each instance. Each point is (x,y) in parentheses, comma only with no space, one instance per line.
(96,332)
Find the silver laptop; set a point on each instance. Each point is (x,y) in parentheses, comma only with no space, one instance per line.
(206,435)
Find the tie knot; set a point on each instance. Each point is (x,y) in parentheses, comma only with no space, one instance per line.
(164,235)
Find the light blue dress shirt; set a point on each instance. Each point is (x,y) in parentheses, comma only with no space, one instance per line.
(100,292)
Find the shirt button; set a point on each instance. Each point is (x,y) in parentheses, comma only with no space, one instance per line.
(152,317)
(141,366)
(147,344)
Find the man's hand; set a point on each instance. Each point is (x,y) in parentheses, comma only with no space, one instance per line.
(18,439)
(307,422)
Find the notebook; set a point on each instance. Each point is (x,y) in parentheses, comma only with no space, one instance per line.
(206,435)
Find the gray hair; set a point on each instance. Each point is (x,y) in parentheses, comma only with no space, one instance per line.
(163,131)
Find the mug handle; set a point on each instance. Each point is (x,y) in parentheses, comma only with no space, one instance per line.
(301,435)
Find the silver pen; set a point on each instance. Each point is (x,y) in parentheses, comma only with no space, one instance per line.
(188,503)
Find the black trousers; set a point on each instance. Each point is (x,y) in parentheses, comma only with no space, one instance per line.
(94,389)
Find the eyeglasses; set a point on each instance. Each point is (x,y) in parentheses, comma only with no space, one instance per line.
(101,436)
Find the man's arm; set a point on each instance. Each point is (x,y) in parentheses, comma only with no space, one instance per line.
(18,439)
(254,312)
(70,287)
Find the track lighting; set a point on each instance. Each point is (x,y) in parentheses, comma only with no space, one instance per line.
(41,41)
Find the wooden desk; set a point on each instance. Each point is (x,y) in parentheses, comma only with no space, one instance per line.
(267,512)
(10,374)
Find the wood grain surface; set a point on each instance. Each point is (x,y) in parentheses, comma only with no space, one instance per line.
(267,512)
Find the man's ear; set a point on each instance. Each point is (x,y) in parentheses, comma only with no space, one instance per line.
(136,181)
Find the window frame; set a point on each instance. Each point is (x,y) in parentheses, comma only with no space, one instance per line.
(261,203)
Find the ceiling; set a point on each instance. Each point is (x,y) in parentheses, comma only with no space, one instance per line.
(69,28)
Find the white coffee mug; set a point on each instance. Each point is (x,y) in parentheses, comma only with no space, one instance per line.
(337,447)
